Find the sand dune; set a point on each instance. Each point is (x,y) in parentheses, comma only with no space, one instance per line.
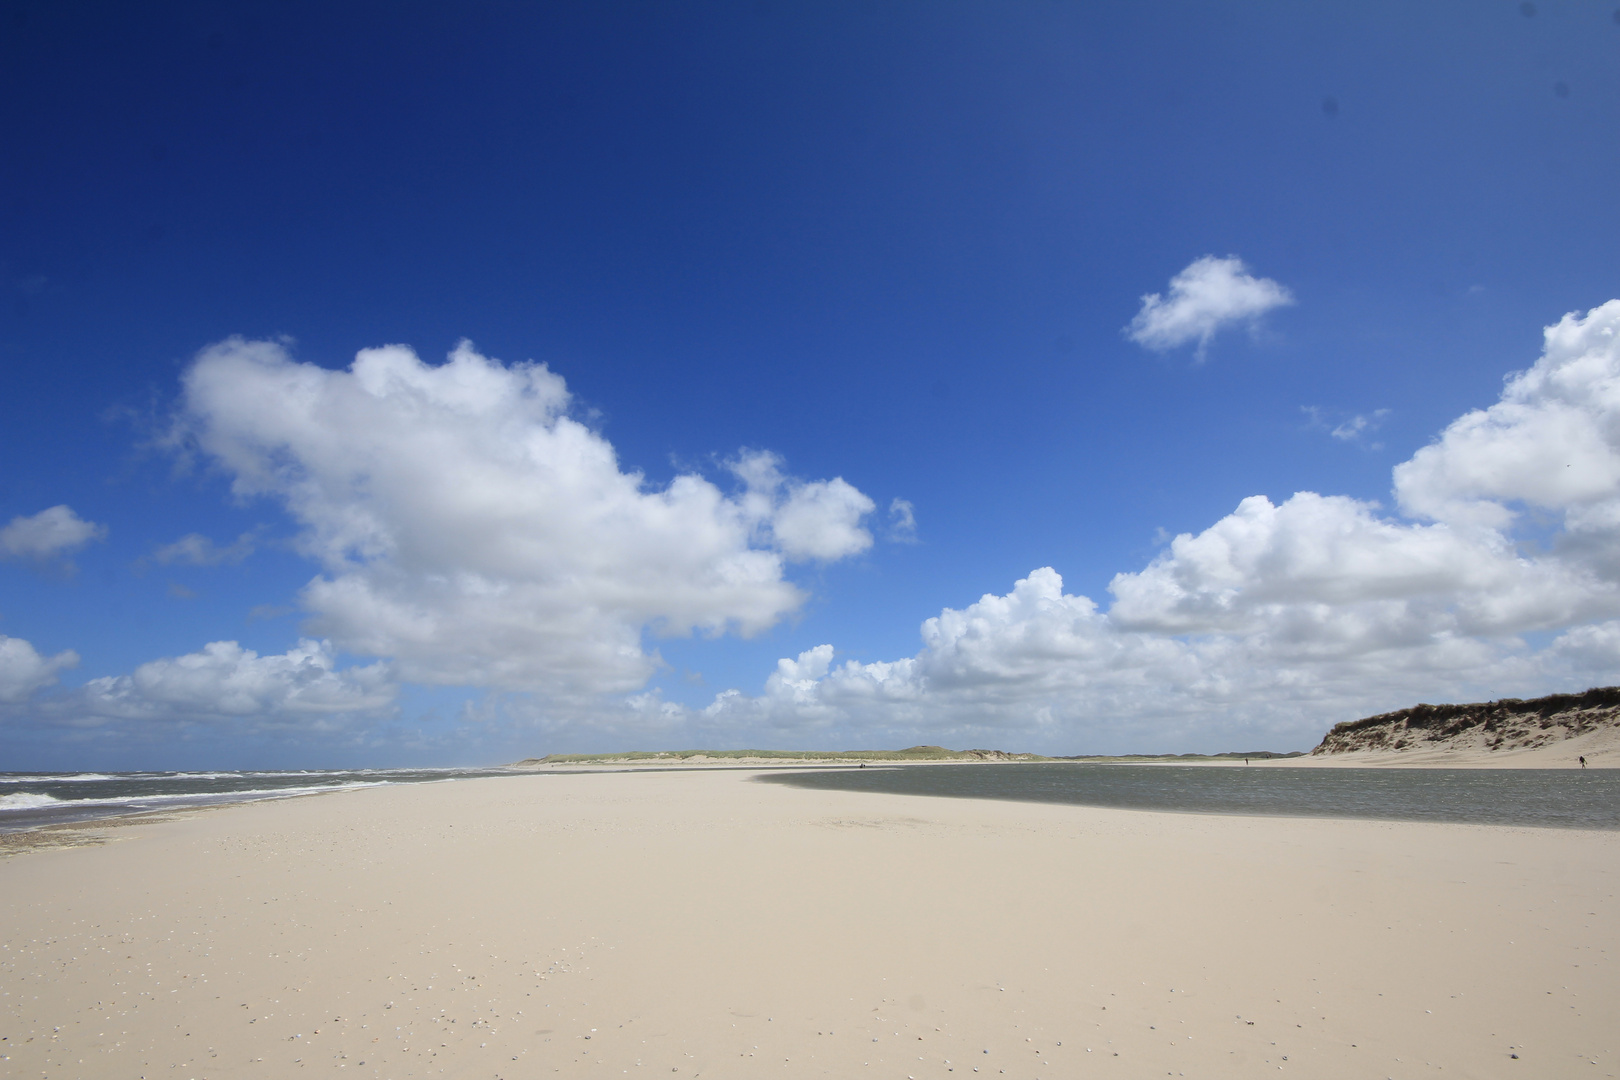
(1552,732)
(1600,747)
(700,924)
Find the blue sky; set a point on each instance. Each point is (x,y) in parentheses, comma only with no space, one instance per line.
(813,259)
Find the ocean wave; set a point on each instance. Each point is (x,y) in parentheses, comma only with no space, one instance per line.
(64,778)
(24,800)
(237,774)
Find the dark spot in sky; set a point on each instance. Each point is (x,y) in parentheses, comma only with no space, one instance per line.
(158,152)
(1617,14)
(1561,89)
(1527,9)
(1330,106)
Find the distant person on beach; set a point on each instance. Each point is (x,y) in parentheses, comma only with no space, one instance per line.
(1583,761)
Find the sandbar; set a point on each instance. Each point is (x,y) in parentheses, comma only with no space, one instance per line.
(698,923)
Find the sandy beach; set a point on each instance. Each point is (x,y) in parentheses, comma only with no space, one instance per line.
(700,924)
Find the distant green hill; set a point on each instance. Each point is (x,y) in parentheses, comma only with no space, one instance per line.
(911,753)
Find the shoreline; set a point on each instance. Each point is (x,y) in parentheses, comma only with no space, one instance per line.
(1540,758)
(1601,749)
(703,923)
(75,831)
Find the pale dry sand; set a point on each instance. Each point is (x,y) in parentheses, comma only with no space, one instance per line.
(701,924)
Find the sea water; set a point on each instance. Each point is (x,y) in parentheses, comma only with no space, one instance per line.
(33,800)
(1569,798)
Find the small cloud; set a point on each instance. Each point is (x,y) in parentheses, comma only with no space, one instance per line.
(180,592)
(194,549)
(1209,294)
(268,611)
(1352,429)
(48,535)
(1359,425)
(902,522)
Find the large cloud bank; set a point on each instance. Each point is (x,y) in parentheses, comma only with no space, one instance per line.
(476,534)
(1278,619)
(470,532)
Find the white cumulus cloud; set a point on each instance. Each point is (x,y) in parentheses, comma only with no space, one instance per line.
(1552,441)
(24,672)
(821,520)
(472,531)
(1335,571)
(223,681)
(1209,294)
(48,534)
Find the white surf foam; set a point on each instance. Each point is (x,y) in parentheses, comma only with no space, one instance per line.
(65,778)
(24,800)
(29,801)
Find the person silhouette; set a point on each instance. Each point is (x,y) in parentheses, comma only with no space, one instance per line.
(1583,761)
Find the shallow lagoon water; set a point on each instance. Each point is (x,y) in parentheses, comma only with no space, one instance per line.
(1559,798)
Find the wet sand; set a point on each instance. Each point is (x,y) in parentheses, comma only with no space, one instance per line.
(697,923)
